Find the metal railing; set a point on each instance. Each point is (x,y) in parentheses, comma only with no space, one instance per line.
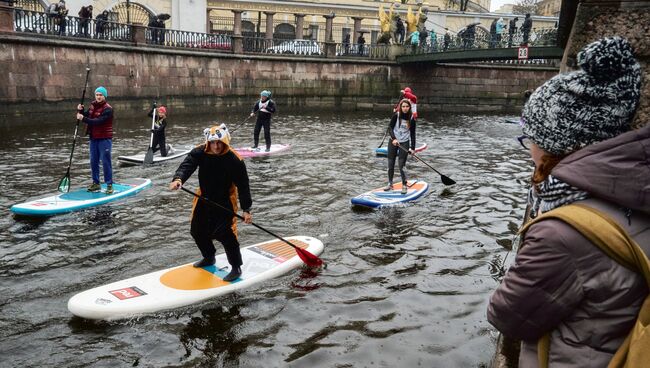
(185,39)
(362,50)
(543,37)
(283,47)
(54,24)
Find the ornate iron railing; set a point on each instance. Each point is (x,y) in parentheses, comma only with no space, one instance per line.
(184,39)
(283,47)
(362,50)
(543,37)
(43,23)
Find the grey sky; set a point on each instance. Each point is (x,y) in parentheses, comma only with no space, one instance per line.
(496,4)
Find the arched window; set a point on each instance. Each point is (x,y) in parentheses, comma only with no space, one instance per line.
(136,12)
(284,31)
(248,28)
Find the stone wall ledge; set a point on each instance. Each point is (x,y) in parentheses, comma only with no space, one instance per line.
(103,45)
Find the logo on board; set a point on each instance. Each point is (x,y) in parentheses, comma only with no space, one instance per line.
(127,293)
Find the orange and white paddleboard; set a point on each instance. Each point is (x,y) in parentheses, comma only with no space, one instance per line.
(185,285)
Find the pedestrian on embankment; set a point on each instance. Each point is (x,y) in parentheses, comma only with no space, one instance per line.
(567,300)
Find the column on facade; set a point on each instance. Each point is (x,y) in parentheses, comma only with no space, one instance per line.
(237,39)
(300,25)
(330,46)
(328,27)
(269,25)
(357,28)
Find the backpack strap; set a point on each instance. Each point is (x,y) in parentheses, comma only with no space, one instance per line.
(613,240)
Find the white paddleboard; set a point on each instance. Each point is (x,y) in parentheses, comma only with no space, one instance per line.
(250,152)
(79,199)
(185,285)
(383,151)
(379,198)
(139,158)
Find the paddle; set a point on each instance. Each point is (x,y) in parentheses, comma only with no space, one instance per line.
(64,184)
(240,124)
(148,158)
(445,179)
(309,259)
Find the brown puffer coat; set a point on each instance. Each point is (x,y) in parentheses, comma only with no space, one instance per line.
(560,282)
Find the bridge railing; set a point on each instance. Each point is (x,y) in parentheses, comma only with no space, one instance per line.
(540,37)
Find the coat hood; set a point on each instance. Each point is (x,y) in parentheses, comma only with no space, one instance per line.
(616,170)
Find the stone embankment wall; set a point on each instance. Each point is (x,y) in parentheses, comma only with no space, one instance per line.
(40,76)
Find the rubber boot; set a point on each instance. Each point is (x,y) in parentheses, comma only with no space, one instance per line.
(233,275)
(204,262)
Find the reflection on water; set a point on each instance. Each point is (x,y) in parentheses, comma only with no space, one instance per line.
(405,286)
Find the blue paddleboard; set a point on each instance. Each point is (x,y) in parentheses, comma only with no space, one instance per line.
(383,151)
(79,199)
(379,198)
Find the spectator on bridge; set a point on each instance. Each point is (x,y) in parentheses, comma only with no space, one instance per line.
(512,28)
(62,17)
(500,26)
(469,36)
(446,40)
(564,295)
(526,27)
(493,34)
(415,39)
(400,31)
(433,40)
(423,37)
(85,15)
(101,24)
(361,44)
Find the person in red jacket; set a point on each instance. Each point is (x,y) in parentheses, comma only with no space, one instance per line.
(408,94)
(99,122)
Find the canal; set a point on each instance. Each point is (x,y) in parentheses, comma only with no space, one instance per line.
(406,286)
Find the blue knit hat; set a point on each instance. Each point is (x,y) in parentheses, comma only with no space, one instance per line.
(574,110)
(266,93)
(102,90)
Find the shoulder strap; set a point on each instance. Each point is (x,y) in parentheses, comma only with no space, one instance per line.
(613,240)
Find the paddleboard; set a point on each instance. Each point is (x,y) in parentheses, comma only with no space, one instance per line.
(383,151)
(512,120)
(139,158)
(185,285)
(250,152)
(377,198)
(79,199)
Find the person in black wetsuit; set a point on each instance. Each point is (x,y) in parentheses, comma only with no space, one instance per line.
(222,177)
(402,132)
(264,108)
(158,131)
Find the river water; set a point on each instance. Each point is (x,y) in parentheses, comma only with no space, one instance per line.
(403,287)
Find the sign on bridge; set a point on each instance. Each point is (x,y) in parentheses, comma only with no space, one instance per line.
(523,53)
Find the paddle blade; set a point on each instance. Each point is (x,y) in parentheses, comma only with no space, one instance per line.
(148,158)
(447,180)
(64,184)
(309,259)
